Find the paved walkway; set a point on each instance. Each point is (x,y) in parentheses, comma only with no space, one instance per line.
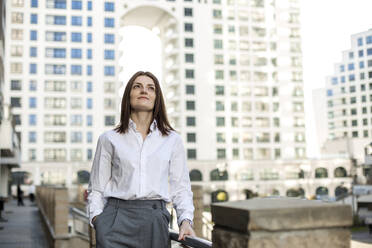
(24,227)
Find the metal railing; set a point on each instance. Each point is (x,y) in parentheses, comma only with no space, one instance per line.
(81,227)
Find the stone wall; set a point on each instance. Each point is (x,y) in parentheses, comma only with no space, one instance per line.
(281,223)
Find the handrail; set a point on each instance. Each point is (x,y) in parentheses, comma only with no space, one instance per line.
(189,241)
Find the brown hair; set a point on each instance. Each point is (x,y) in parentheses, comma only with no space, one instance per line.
(159,112)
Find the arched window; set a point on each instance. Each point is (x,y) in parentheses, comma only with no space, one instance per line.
(217,175)
(321,173)
(220,196)
(196,176)
(340,190)
(340,172)
(295,192)
(321,191)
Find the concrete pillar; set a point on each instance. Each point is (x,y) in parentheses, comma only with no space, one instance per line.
(281,223)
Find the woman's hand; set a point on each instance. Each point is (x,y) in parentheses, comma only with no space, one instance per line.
(186,229)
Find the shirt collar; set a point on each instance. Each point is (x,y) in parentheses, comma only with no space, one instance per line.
(132,124)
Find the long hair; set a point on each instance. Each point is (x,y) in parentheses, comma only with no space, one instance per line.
(159,112)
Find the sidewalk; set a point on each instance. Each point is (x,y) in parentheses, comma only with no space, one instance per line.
(361,240)
(24,227)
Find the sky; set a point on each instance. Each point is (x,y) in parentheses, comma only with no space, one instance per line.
(326,29)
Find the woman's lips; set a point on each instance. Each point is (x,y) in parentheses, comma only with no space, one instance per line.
(142,97)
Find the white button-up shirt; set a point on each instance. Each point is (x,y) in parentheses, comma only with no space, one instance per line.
(128,167)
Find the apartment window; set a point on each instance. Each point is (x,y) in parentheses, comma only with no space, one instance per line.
(16,51)
(109,87)
(76,69)
(369,39)
(89,120)
(109,22)
(191,137)
(89,137)
(189,58)
(109,71)
(190,105)
(220,121)
(218,59)
(17,17)
(17,34)
(16,68)
(89,21)
(76,37)
(191,153)
(109,103)
(221,153)
(33,68)
(76,120)
(109,120)
(15,102)
(234,106)
(109,54)
(219,90)
(76,137)
(365,122)
(89,5)
(56,4)
(89,53)
(76,20)
(15,85)
(360,41)
(189,73)
(220,106)
(89,70)
(109,6)
(89,37)
(89,154)
(369,51)
(75,4)
(219,74)
(187,11)
(55,20)
(352,89)
(32,137)
(217,29)
(354,134)
(189,42)
(235,153)
(89,103)
(188,27)
(33,51)
(33,85)
(34,3)
(190,89)
(33,35)
(32,102)
(76,103)
(360,53)
(190,121)
(217,14)
(17,119)
(109,38)
(220,138)
(59,36)
(89,87)
(55,154)
(32,154)
(76,53)
(33,18)
(218,44)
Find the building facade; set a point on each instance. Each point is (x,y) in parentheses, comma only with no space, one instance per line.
(232,79)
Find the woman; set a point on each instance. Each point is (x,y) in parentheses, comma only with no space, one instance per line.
(137,168)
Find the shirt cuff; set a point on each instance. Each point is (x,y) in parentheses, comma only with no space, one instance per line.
(185,217)
(92,215)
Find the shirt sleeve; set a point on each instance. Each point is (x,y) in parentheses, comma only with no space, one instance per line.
(180,186)
(99,177)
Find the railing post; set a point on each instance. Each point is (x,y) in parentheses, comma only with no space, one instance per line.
(281,223)
(199,207)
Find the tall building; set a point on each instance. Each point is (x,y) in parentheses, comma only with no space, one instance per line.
(349,97)
(232,78)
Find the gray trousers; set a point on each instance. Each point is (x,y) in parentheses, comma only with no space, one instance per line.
(133,224)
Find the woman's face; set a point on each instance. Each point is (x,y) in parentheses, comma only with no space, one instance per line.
(142,94)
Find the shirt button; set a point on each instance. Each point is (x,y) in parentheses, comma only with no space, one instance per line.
(154,206)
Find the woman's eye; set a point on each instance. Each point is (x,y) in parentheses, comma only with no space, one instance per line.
(136,86)
(152,88)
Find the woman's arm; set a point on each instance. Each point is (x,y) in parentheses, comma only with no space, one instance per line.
(180,187)
(99,177)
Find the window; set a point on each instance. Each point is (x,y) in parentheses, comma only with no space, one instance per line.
(15,102)
(329,93)
(32,102)
(32,120)
(15,85)
(351,77)
(75,53)
(16,68)
(360,53)
(191,137)
(76,137)
(32,137)
(89,37)
(189,73)
(189,42)
(89,154)
(369,51)
(89,70)
(33,35)
(57,4)
(89,5)
(190,89)
(75,37)
(369,39)
(190,121)
(109,71)
(33,51)
(217,14)
(220,121)
(89,53)
(55,36)
(89,103)
(109,38)
(17,119)
(360,41)
(218,59)
(352,89)
(109,22)
(89,87)
(351,55)
(342,68)
(188,27)
(33,68)
(109,120)
(33,85)
(17,17)
(191,153)
(33,19)
(89,21)
(187,11)
(189,58)
(361,64)
(219,90)
(76,69)
(220,106)
(76,20)
(221,153)
(190,105)
(89,137)
(59,20)
(350,66)
(55,52)
(217,28)
(109,6)
(109,54)
(218,44)
(89,120)
(75,4)
(34,3)
(220,138)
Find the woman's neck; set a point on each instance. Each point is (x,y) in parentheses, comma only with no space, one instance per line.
(143,121)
